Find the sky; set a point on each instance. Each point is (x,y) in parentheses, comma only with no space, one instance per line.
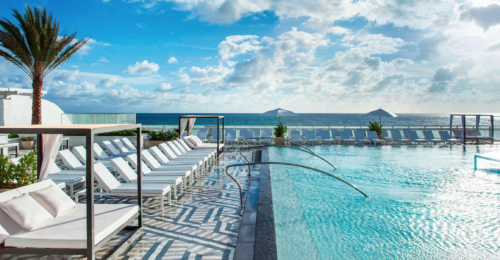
(308,56)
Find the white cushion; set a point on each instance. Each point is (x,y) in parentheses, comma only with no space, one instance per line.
(26,212)
(70,229)
(54,200)
(188,142)
(7,225)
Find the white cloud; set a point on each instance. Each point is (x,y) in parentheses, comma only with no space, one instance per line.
(483,16)
(68,75)
(172,60)
(108,81)
(143,68)
(164,87)
(238,44)
(103,59)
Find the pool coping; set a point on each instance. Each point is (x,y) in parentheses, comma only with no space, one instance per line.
(257,239)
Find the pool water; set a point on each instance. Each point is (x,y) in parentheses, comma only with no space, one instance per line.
(425,202)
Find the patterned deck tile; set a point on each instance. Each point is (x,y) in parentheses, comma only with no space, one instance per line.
(202,224)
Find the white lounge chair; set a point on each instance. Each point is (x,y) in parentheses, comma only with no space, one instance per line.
(202,135)
(81,153)
(67,231)
(310,137)
(266,136)
(179,150)
(113,187)
(373,137)
(445,136)
(172,156)
(70,178)
(163,160)
(154,165)
(70,160)
(112,150)
(361,137)
(385,134)
(184,148)
(458,134)
(397,137)
(430,137)
(121,147)
(230,136)
(414,138)
(129,175)
(345,138)
(325,137)
(187,175)
(196,144)
(349,131)
(128,144)
(335,133)
(296,138)
(100,154)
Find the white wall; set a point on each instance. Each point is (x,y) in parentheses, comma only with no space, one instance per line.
(17,111)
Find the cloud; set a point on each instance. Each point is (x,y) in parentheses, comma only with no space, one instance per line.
(164,87)
(428,47)
(143,68)
(68,75)
(445,77)
(108,81)
(103,59)
(172,60)
(238,44)
(483,16)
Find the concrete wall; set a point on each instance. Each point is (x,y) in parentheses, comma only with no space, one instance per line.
(17,111)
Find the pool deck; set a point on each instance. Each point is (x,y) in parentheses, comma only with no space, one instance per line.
(204,223)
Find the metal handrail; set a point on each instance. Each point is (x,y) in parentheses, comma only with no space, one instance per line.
(307,150)
(289,164)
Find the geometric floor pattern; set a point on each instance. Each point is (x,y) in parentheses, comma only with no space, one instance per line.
(202,224)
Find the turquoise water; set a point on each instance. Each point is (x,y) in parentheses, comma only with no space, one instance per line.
(329,119)
(425,203)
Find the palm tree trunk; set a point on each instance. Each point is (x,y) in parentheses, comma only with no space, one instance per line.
(36,117)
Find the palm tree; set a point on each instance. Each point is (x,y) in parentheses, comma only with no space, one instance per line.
(36,47)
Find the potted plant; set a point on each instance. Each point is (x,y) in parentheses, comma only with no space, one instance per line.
(280,133)
(13,176)
(377,127)
(27,142)
(155,138)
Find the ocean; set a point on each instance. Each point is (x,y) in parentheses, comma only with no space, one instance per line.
(242,119)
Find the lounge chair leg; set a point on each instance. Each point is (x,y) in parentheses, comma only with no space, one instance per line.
(169,199)
(182,190)
(175,191)
(161,203)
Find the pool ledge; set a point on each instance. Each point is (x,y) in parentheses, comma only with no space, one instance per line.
(257,239)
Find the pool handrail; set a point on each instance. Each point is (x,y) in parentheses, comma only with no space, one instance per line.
(289,164)
(304,149)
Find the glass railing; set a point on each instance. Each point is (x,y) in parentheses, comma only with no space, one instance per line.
(77,119)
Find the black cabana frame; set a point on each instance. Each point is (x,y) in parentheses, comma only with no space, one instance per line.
(218,128)
(464,125)
(88,131)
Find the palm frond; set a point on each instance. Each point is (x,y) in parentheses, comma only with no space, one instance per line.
(35,45)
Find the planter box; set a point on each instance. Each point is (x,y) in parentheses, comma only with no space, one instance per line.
(279,140)
(148,144)
(27,144)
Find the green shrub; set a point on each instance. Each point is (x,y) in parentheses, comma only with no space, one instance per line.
(280,130)
(13,136)
(18,175)
(27,138)
(120,133)
(169,135)
(375,126)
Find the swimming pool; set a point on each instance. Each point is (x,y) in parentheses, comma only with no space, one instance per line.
(425,202)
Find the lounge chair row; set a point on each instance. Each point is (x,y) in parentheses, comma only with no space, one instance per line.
(360,136)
